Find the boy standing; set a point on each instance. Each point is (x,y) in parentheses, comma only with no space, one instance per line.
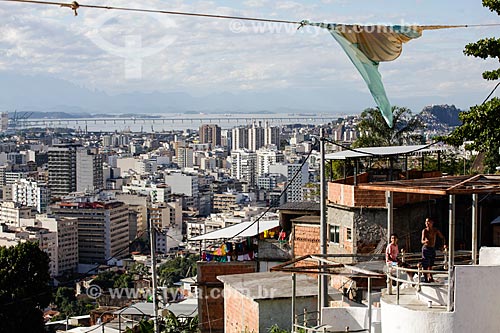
(428,246)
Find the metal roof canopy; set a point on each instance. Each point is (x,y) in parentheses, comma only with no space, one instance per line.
(383,151)
(243,229)
(448,185)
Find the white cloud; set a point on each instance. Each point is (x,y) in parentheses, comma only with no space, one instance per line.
(210,55)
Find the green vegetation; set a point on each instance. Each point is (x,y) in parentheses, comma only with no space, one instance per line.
(68,305)
(276,329)
(170,324)
(24,288)
(481,123)
(177,268)
(374,131)
(108,279)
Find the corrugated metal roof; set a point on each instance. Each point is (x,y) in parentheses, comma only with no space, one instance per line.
(382,151)
(303,205)
(239,230)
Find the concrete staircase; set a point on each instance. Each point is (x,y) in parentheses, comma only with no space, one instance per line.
(437,294)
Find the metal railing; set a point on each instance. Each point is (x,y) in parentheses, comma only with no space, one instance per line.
(417,284)
(310,324)
(394,273)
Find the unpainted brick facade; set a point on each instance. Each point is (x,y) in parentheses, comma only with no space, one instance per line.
(241,312)
(211,291)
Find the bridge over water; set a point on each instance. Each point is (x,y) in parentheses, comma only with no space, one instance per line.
(170,122)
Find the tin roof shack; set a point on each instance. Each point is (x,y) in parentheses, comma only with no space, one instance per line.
(255,302)
(293,210)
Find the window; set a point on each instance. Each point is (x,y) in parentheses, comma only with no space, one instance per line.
(334,233)
(349,234)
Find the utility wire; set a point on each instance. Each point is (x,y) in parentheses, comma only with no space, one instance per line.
(299,170)
(75,6)
(281,194)
(491,93)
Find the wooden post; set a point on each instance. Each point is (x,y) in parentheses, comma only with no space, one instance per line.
(475,202)
(451,250)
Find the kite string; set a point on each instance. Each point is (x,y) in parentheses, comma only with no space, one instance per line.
(75,5)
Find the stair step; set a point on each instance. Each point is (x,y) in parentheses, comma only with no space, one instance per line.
(438,295)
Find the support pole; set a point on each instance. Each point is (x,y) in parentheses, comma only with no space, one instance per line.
(407,173)
(451,250)
(153,270)
(390,223)
(345,171)
(369,305)
(294,288)
(323,278)
(355,172)
(475,202)
(390,213)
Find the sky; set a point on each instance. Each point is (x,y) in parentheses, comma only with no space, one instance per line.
(102,58)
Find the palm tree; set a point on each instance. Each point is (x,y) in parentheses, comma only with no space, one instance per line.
(374,131)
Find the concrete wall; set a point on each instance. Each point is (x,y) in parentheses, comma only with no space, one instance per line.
(354,317)
(477,300)
(477,288)
(396,319)
(243,314)
(489,256)
(279,311)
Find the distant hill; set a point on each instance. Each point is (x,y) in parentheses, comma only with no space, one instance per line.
(444,114)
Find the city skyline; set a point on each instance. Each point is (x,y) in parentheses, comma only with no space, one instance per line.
(113,60)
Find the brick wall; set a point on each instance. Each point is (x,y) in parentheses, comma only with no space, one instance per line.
(352,196)
(211,291)
(241,312)
(306,239)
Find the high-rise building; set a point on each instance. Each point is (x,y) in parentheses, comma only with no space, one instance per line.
(73,168)
(4,121)
(256,135)
(271,135)
(210,133)
(167,219)
(62,169)
(239,137)
(243,166)
(67,241)
(30,193)
(294,192)
(185,157)
(103,228)
(89,171)
(267,157)
(12,213)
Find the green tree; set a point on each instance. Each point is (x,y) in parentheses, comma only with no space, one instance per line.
(481,123)
(24,287)
(374,131)
(177,268)
(68,305)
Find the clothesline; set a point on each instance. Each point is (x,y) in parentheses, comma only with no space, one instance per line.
(76,5)
(365,45)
